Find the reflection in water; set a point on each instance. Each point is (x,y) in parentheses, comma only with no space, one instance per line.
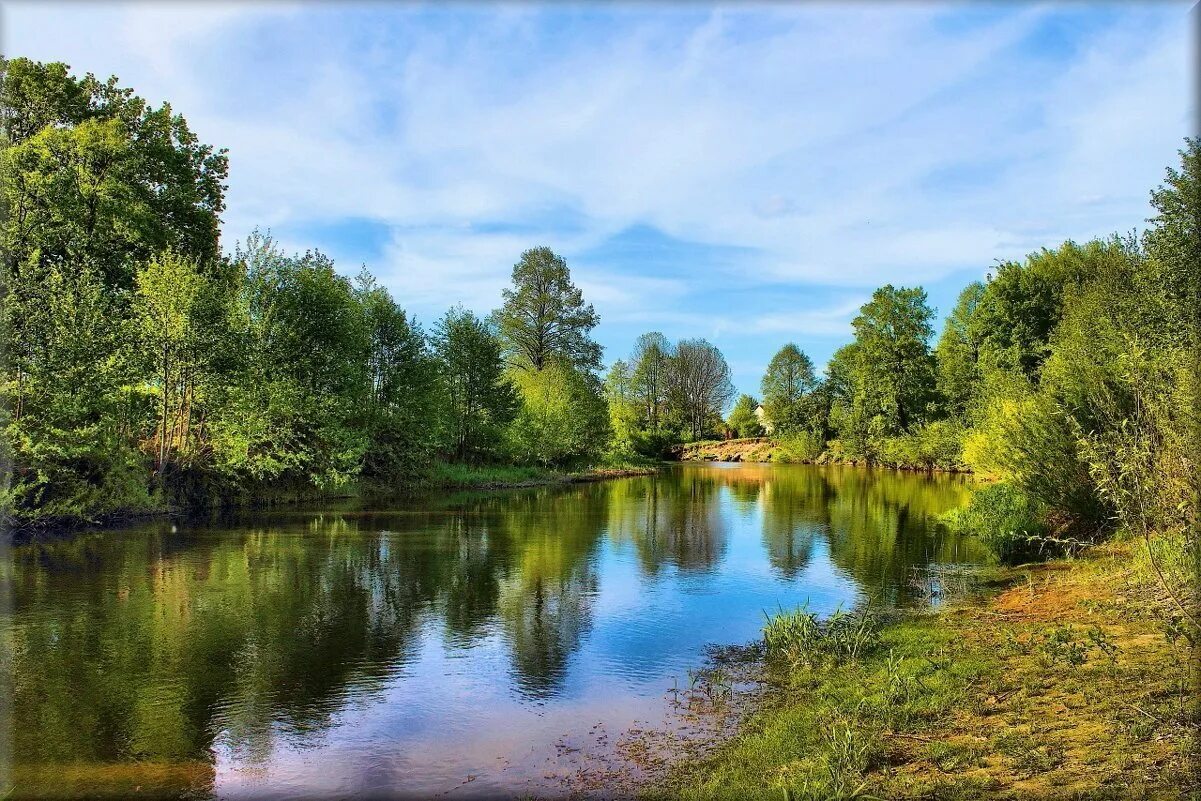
(184,662)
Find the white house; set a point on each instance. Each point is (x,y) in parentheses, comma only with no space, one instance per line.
(761,416)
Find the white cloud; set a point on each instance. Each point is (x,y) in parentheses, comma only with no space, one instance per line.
(812,136)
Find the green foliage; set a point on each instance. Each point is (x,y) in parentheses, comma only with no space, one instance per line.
(800,446)
(563,418)
(743,420)
(935,445)
(93,175)
(894,368)
(1008,520)
(71,401)
(544,316)
(958,352)
(480,398)
(788,380)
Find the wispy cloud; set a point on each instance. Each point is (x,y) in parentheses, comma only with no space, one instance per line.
(815,147)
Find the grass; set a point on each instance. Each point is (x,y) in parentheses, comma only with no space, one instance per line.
(801,639)
(1064,684)
(443,474)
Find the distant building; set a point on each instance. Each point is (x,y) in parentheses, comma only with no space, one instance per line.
(761,416)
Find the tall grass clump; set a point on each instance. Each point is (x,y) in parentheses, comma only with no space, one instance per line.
(801,639)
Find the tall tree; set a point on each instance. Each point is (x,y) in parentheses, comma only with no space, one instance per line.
(1173,243)
(788,379)
(958,352)
(892,333)
(544,315)
(168,291)
(403,401)
(700,386)
(649,383)
(623,409)
(480,399)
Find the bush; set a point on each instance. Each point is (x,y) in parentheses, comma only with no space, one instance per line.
(1008,520)
(933,445)
(800,446)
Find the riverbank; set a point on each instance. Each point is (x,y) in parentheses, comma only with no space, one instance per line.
(1066,681)
(457,476)
(770,449)
(441,476)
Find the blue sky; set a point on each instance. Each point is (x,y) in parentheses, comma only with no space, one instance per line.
(747,173)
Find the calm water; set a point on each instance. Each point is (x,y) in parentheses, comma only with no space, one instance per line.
(404,651)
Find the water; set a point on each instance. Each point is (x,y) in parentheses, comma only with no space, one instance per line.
(442,645)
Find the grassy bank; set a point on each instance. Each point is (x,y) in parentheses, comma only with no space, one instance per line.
(1069,681)
(461,476)
(441,475)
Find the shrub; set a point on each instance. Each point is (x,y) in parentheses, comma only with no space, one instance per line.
(1008,520)
(800,446)
(933,445)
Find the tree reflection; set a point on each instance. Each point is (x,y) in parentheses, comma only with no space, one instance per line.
(140,653)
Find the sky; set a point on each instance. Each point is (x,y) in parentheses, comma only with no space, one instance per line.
(746,173)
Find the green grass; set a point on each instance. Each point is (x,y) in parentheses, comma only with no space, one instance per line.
(466,475)
(443,474)
(1069,683)
(834,715)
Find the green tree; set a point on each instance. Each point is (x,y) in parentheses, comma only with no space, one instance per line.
(71,399)
(480,399)
(563,419)
(1173,246)
(743,419)
(544,315)
(894,365)
(958,352)
(623,408)
(404,401)
(92,175)
(651,360)
(1022,304)
(789,378)
(167,292)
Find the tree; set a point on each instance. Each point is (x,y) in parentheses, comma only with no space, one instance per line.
(789,378)
(70,399)
(623,409)
(649,382)
(1173,246)
(743,419)
(544,316)
(480,399)
(1022,304)
(699,385)
(896,371)
(404,400)
(563,417)
(167,291)
(958,352)
(92,175)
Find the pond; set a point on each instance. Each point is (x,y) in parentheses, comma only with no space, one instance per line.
(449,644)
